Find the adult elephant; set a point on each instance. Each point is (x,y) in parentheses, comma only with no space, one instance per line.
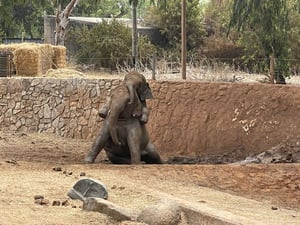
(123,135)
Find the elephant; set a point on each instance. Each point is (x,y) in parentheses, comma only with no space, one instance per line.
(126,100)
(135,146)
(123,134)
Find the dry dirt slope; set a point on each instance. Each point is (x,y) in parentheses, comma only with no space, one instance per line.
(27,162)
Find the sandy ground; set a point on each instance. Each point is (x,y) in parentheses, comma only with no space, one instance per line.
(267,192)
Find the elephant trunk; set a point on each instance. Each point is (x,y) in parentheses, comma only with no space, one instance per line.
(131,91)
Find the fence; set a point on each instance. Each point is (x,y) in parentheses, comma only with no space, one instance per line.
(6,64)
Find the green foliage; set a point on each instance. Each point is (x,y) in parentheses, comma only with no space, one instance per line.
(108,45)
(1,35)
(168,19)
(264,29)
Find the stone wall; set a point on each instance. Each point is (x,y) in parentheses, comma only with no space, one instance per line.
(67,107)
(187,118)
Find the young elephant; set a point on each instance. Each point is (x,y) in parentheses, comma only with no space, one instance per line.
(123,136)
(135,144)
(127,100)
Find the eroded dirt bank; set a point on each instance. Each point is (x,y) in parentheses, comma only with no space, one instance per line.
(27,162)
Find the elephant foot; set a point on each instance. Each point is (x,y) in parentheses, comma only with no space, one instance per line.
(89,160)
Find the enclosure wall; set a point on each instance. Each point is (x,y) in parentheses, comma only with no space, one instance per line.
(187,118)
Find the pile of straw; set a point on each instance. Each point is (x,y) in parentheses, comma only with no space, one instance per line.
(35,59)
(59,59)
(46,55)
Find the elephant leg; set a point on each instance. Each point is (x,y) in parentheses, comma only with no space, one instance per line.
(115,159)
(134,134)
(98,144)
(150,155)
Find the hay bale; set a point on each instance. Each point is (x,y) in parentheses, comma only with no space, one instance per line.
(60,55)
(33,59)
(27,60)
(46,56)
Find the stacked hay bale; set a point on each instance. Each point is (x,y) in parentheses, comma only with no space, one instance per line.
(46,57)
(35,59)
(59,59)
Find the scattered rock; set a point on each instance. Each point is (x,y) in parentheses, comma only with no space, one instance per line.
(56,203)
(41,201)
(131,223)
(87,187)
(103,206)
(65,203)
(274,208)
(12,161)
(82,174)
(282,153)
(165,212)
(38,197)
(58,169)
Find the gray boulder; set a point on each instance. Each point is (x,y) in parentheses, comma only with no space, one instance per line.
(165,212)
(86,187)
(106,207)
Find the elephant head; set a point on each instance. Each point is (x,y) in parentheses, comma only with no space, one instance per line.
(137,85)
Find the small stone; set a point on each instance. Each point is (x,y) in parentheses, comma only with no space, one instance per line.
(82,174)
(74,206)
(38,197)
(42,201)
(65,203)
(57,169)
(122,188)
(56,203)
(274,208)
(70,173)
(114,187)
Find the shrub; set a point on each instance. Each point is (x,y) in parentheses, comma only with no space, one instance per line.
(108,45)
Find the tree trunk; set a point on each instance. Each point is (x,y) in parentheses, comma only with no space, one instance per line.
(62,20)
(134,34)
(272,68)
(183,39)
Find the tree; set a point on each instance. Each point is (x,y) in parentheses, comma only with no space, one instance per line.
(267,23)
(62,20)
(134,4)
(167,16)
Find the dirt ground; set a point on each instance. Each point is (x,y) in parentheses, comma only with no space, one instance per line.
(27,163)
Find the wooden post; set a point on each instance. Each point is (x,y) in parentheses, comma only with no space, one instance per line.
(183,39)
(272,68)
(153,66)
(134,34)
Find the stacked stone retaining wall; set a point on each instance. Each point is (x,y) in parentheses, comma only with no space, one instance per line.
(187,118)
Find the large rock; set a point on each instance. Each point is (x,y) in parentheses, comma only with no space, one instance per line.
(86,187)
(165,212)
(114,211)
